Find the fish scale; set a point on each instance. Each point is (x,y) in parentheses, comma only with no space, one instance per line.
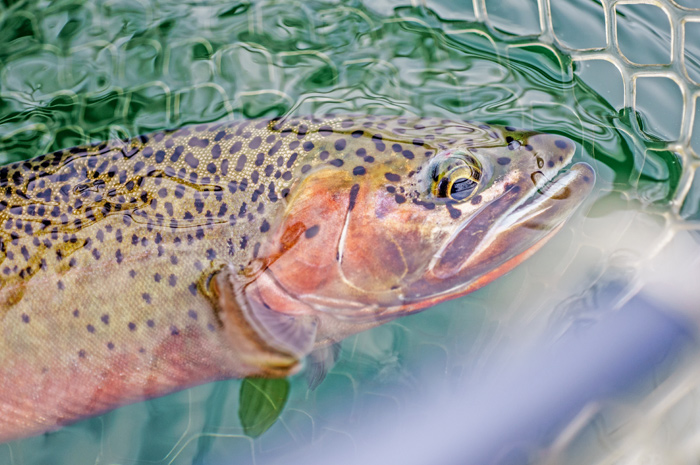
(111,254)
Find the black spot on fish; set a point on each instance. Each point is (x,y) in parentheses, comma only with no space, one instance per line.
(191,160)
(454,212)
(562,144)
(392,177)
(503,160)
(340,144)
(354,190)
(337,162)
(259,159)
(359,170)
(240,163)
(312,231)
(176,154)
(426,205)
(235,148)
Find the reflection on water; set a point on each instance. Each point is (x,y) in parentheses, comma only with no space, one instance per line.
(74,73)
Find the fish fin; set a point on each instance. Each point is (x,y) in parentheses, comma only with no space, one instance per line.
(269,333)
(319,362)
(294,334)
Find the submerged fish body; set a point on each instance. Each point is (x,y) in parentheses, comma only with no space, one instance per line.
(131,269)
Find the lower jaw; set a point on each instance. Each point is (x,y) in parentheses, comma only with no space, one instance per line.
(453,288)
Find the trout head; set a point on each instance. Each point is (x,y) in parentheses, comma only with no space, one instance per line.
(426,220)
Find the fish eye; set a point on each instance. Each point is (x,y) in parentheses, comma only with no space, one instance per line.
(456,178)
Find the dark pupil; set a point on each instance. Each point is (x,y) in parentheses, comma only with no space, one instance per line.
(462,188)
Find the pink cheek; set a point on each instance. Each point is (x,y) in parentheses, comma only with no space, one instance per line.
(385,205)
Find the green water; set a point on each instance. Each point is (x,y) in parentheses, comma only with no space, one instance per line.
(73,72)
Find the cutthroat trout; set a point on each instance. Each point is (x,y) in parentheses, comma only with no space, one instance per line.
(134,268)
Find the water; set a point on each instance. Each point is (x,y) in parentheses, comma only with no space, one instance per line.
(73,72)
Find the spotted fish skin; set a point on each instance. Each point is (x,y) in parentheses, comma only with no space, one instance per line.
(134,268)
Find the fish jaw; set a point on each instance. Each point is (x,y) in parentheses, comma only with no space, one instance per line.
(470,261)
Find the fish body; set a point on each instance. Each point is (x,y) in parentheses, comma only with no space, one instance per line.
(133,268)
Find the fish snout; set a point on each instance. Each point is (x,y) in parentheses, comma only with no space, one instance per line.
(553,152)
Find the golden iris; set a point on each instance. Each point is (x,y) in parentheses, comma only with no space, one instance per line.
(456,178)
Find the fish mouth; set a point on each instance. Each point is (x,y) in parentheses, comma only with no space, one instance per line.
(505,232)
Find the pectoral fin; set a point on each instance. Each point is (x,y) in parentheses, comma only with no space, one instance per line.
(266,337)
(319,363)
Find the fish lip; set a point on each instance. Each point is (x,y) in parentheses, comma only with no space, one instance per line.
(557,188)
(541,209)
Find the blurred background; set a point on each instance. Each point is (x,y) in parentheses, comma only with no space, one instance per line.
(585,354)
